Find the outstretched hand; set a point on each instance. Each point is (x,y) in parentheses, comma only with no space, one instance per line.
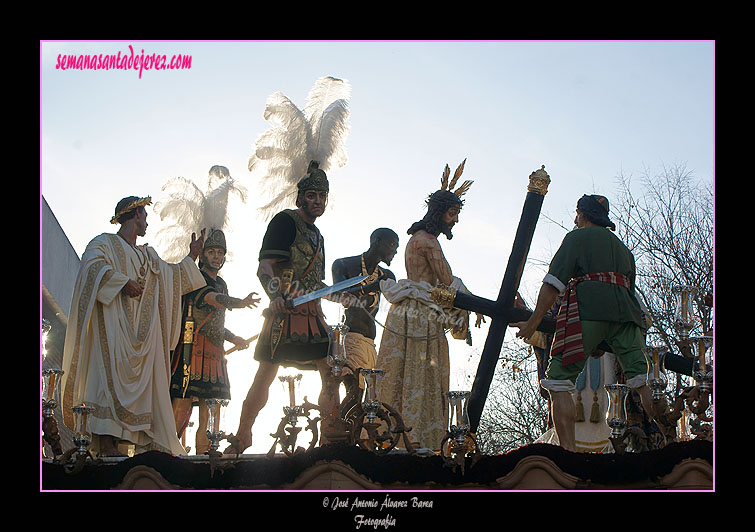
(195,248)
(251,301)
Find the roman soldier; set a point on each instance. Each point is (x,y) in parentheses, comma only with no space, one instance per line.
(199,369)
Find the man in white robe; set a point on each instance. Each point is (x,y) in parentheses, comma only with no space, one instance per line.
(125,318)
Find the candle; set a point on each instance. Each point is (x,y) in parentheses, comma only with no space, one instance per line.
(684,304)
(50,386)
(655,363)
(371,391)
(292,398)
(701,351)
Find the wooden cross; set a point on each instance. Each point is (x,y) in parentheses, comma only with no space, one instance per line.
(502,310)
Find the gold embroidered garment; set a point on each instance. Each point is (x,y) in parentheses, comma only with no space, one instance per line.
(116,356)
(414,354)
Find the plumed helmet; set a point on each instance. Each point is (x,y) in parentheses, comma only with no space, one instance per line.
(216,239)
(315,179)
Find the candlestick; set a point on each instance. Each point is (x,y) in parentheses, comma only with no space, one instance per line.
(50,390)
(214,434)
(656,375)
(337,355)
(702,368)
(82,438)
(458,422)
(684,319)
(290,383)
(371,403)
(616,416)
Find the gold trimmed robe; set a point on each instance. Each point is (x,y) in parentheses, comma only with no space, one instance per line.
(116,355)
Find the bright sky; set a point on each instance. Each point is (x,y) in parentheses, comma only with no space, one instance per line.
(586,110)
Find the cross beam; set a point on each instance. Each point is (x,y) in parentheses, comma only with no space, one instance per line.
(502,310)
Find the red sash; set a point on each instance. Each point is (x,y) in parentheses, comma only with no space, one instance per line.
(568,336)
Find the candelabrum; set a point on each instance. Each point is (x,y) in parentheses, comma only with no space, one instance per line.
(702,366)
(335,429)
(459,441)
(694,399)
(699,397)
(214,432)
(371,403)
(656,373)
(337,355)
(288,431)
(665,418)
(75,458)
(616,415)
(372,424)
(214,416)
(684,317)
(50,401)
(82,438)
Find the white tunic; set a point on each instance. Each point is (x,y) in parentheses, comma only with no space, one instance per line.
(116,356)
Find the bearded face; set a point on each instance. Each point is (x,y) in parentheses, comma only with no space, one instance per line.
(438,220)
(445,219)
(451,217)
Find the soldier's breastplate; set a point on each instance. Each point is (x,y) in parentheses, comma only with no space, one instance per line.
(306,278)
(214,323)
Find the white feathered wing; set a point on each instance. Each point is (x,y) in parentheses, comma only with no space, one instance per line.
(297,136)
(192,210)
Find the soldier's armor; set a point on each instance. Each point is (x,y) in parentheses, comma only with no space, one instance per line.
(306,279)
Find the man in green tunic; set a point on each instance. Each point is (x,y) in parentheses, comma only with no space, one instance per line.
(595,272)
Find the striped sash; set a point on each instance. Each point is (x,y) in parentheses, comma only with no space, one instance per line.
(568,336)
